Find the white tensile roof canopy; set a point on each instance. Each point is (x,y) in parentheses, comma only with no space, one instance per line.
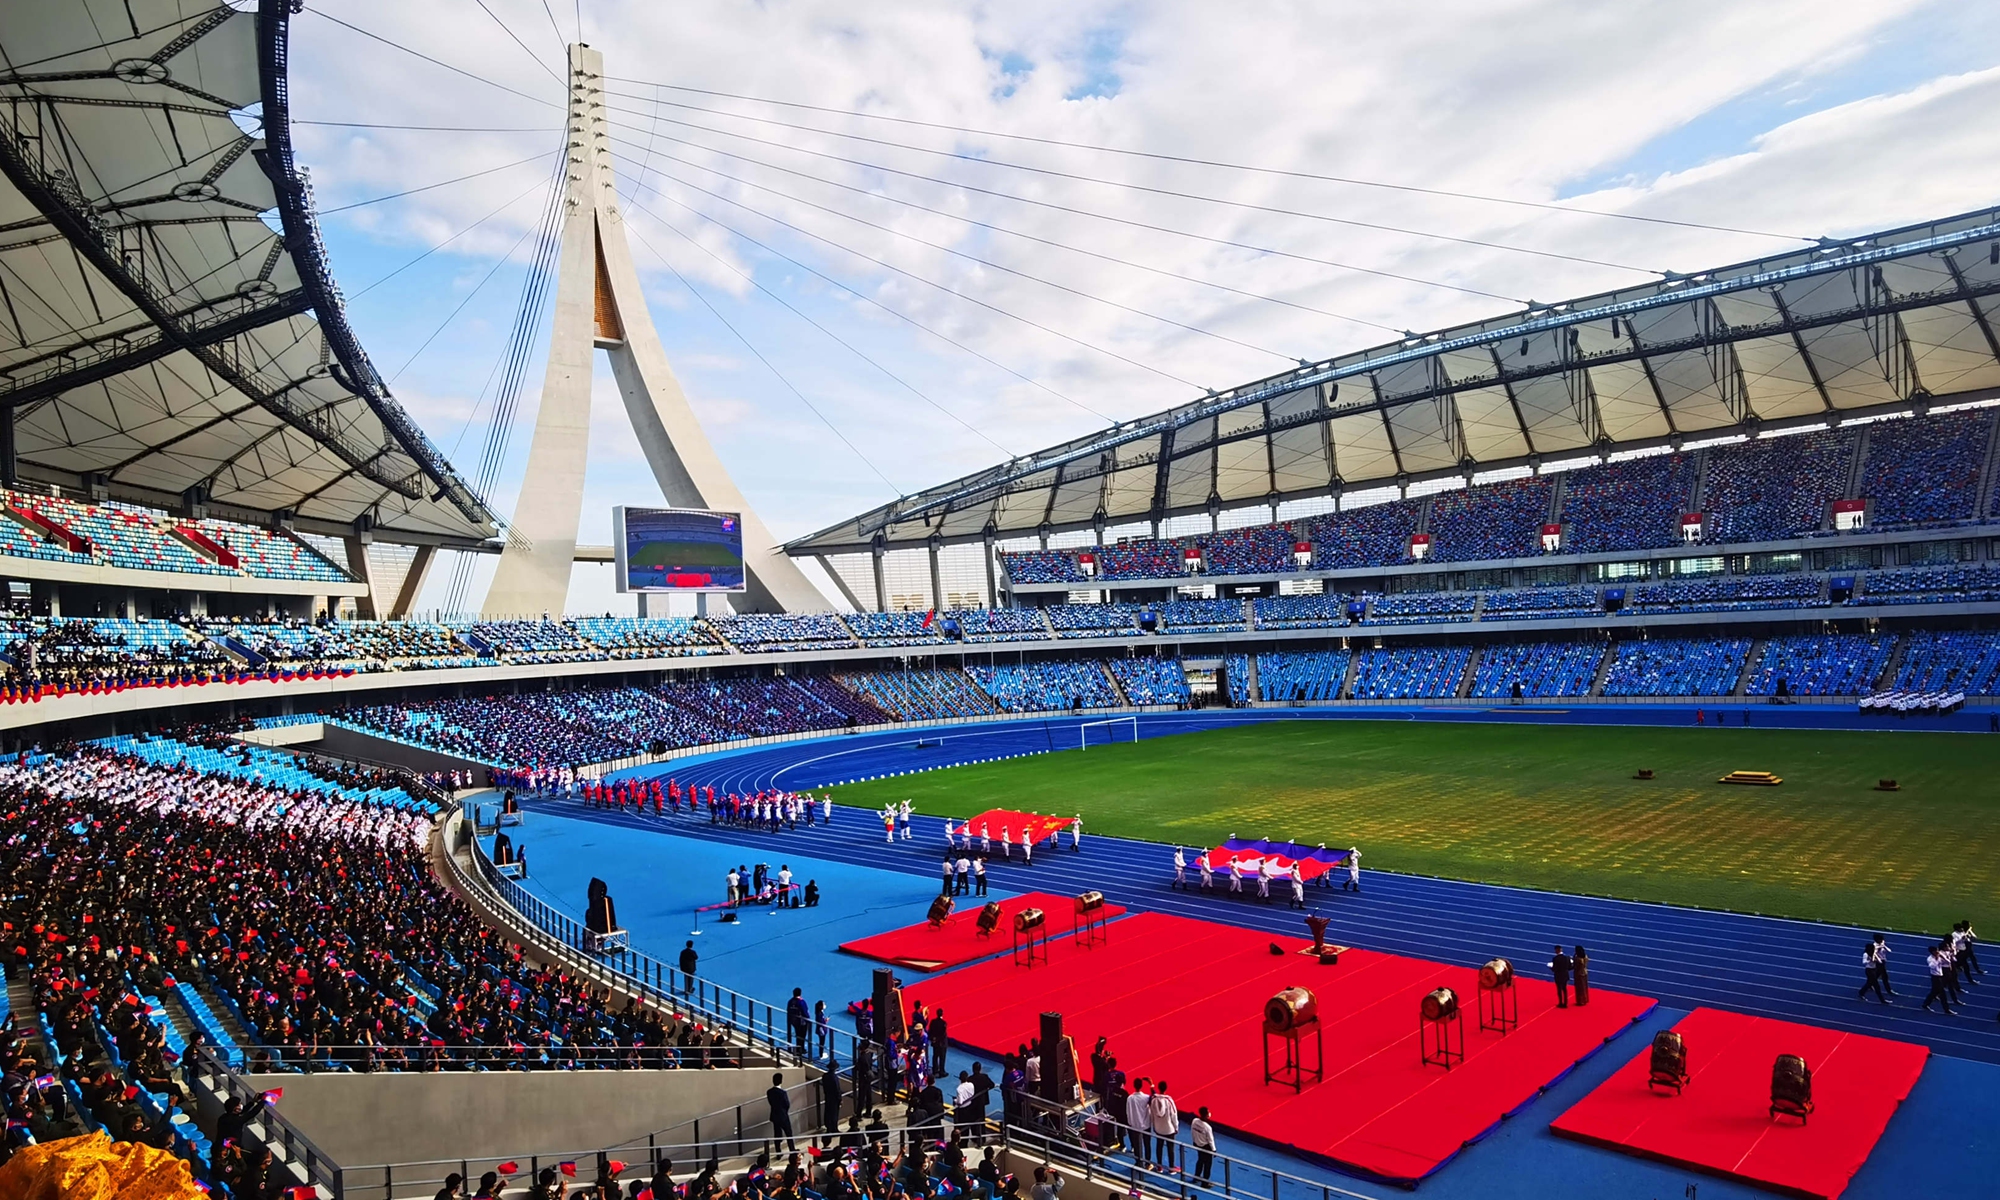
(1893,320)
(158,333)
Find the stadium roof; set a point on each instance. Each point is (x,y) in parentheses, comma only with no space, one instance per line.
(1893,319)
(167,317)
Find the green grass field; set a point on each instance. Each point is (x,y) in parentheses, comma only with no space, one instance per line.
(1554,807)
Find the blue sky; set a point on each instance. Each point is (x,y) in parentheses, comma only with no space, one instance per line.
(1792,117)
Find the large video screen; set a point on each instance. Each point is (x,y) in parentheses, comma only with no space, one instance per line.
(677,549)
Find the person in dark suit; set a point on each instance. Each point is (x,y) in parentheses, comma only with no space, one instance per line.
(938,1029)
(1561,965)
(781,1110)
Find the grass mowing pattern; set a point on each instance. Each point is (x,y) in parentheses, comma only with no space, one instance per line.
(1554,807)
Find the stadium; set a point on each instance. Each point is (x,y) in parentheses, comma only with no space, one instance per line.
(370,837)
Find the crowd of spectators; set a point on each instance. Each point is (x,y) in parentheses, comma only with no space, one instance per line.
(1537,668)
(1289,678)
(753,632)
(543,641)
(1142,558)
(271,553)
(1046,687)
(920,695)
(1635,504)
(1419,608)
(1495,520)
(1723,593)
(317,922)
(647,637)
(1221,615)
(1950,661)
(1925,471)
(1255,550)
(1042,566)
(52,656)
(124,536)
(1821,664)
(1093,620)
(1151,680)
(1409,672)
(1676,667)
(1374,536)
(1777,487)
(1300,612)
(1001,624)
(1930,585)
(1540,603)
(897,628)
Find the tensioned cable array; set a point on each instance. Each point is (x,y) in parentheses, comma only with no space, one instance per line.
(1413,189)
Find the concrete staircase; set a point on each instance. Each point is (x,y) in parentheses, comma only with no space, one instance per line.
(1887,678)
(1750,665)
(1603,669)
(1471,673)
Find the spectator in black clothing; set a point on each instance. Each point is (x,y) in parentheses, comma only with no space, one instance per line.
(781,1111)
(938,1029)
(1561,965)
(829,1097)
(454,1184)
(689,961)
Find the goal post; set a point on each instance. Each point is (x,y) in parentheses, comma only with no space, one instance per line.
(1113,729)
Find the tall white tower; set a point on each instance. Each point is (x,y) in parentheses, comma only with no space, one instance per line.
(599,306)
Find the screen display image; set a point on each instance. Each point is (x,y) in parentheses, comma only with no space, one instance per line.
(678,550)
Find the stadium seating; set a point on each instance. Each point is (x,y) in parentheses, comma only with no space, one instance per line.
(1151,680)
(1093,620)
(1409,672)
(1925,471)
(758,632)
(1676,667)
(1301,612)
(271,554)
(1821,664)
(1634,504)
(1419,608)
(1724,593)
(1001,624)
(1778,487)
(1042,566)
(1287,678)
(1541,668)
(126,537)
(1046,687)
(1375,536)
(1929,585)
(1141,558)
(1496,520)
(635,637)
(896,628)
(545,641)
(1257,550)
(1201,616)
(1952,661)
(1237,668)
(1540,603)
(920,695)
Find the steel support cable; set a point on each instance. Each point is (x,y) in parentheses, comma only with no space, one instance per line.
(1074,177)
(753,281)
(430,128)
(768,364)
(1028,321)
(1096,254)
(509,31)
(431,187)
(1084,212)
(393,44)
(446,242)
(973,258)
(1446,193)
(453,315)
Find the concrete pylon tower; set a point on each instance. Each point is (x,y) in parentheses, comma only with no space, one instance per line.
(599,305)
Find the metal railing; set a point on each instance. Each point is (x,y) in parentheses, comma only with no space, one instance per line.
(1179,1171)
(727,1134)
(363,1058)
(319,1170)
(755,1021)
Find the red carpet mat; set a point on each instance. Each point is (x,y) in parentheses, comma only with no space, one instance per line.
(922,948)
(1182,1002)
(1722,1123)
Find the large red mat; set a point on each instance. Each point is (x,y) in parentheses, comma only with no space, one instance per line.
(921,947)
(1722,1124)
(1182,1000)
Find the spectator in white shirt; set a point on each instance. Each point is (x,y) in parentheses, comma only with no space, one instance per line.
(1203,1136)
(1139,1119)
(1166,1125)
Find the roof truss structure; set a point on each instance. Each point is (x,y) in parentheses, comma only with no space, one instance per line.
(1894,319)
(168,321)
